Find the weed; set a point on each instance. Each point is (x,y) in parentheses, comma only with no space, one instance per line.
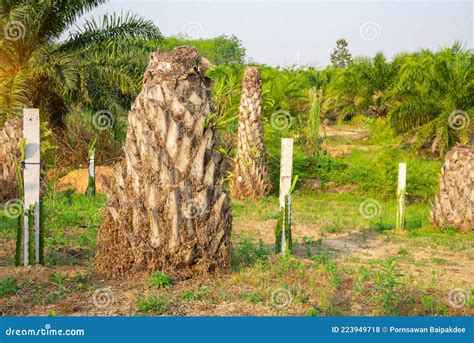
(8,286)
(362,277)
(59,280)
(320,258)
(286,262)
(431,307)
(333,272)
(153,303)
(387,283)
(330,266)
(252,298)
(38,296)
(159,280)
(199,294)
(312,312)
(247,252)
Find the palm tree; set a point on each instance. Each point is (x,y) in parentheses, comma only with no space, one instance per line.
(250,179)
(433,99)
(361,88)
(38,69)
(166,208)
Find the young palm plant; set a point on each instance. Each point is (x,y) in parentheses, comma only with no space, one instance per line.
(361,88)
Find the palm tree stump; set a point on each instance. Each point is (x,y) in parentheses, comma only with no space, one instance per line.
(10,138)
(454,203)
(166,208)
(250,179)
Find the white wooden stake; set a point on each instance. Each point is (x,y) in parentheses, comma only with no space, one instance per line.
(285,168)
(402,177)
(92,164)
(91,173)
(31,175)
(285,181)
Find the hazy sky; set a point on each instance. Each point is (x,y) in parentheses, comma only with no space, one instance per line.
(304,32)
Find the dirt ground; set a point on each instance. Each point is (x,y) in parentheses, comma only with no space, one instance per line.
(226,289)
(78,180)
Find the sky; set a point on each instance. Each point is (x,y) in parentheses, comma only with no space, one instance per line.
(304,32)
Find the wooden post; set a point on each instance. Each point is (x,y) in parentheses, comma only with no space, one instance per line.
(402,176)
(285,182)
(31,177)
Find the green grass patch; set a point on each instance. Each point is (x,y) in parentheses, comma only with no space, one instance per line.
(8,286)
(153,303)
(159,280)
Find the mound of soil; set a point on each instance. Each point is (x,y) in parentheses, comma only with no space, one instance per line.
(79,179)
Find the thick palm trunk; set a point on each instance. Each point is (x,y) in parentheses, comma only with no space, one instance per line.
(250,179)
(166,208)
(454,203)
(9,150)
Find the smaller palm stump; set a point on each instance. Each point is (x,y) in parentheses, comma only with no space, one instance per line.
(454,203)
